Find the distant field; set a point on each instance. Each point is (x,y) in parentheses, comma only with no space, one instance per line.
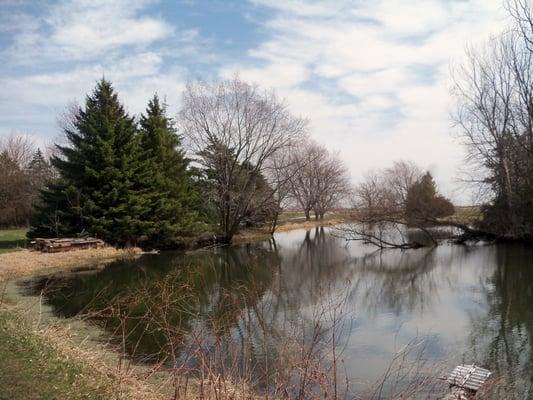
(299,216)
(463,214)
(466,214)
(470,211)
(10,239)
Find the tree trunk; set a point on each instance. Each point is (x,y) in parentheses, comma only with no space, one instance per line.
(274,224)
(509,197)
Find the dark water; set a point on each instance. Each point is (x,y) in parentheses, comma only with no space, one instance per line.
(454,303)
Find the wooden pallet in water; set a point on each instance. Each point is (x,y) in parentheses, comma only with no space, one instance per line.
(466,380)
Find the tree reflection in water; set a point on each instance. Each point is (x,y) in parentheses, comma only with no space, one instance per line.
(244,304)
(501,337)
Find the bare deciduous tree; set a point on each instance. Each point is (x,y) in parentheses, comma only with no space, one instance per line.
(319,180)
(19,148)
(24,171)
(522,12)
(332,184)
(305,160)
(383,217)
(280,170)
(494,91)
(233,128)
(401,177)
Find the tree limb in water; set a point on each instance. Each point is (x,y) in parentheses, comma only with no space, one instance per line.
(381,231)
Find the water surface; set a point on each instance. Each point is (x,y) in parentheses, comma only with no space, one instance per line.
(471,304)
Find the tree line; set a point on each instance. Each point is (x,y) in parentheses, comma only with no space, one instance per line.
(234,157)
(494,93)
(390,200)
(25,169)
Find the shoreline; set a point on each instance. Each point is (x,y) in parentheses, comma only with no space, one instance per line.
(24,262)
(255,234)
(72,344)
(55,357)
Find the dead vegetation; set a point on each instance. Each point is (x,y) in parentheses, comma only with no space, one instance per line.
(26,262)
(97,372)
(238,347)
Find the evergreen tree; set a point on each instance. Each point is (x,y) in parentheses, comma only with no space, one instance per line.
(173,197)
(248,199)
(102,176)
(58,212)
(423,204)
(39,170)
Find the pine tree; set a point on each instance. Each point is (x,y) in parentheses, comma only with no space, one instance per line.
(102,176)
(39,170)
(424,204)
(173,197)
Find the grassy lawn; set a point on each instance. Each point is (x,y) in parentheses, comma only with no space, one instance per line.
(10,239)
(32,369)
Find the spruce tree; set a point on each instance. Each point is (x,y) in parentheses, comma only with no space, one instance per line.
(172,196)
(102,176)
(423,202)
(39,170)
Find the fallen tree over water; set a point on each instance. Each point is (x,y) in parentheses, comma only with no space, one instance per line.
(400,207)
(386,233)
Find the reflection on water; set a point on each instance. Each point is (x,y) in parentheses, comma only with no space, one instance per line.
(468,304)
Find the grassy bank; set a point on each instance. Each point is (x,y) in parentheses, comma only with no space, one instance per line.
(46,362)
(32,369)
(54,359)
(12,239)
(46,358)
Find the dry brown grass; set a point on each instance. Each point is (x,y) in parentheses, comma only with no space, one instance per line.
(289,226)
(126,383)
(26,262)
(248,235)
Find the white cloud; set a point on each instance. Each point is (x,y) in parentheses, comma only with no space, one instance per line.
(385,64)
(135,78)
(279,75)
(87,28)
(83,30)
(64,52)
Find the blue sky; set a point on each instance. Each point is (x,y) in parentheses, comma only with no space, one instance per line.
(372,76)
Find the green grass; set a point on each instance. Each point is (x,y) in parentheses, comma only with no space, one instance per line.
(31,369)
(11,239)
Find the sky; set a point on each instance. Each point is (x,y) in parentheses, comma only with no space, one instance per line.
(372,76)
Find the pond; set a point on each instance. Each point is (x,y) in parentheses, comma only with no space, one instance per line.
(415,312)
